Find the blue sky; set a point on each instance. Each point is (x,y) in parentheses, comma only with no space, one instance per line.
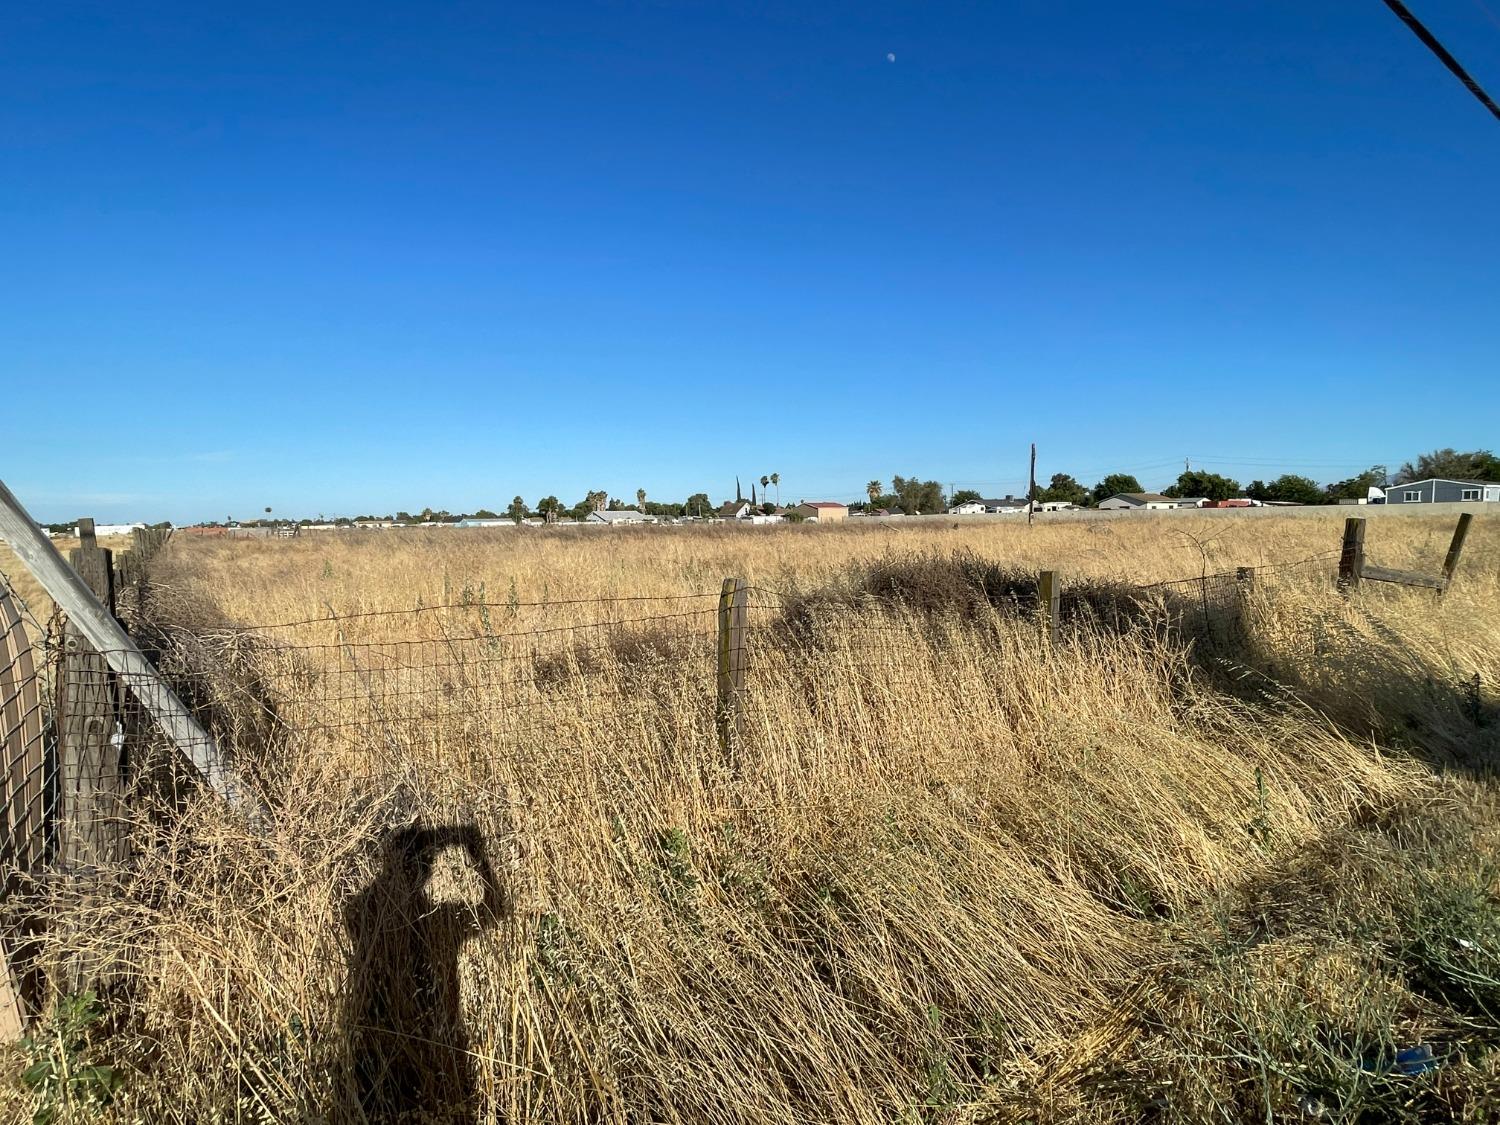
(346,258)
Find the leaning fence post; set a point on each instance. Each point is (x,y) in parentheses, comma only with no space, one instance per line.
(1352,556)
(733,597)
(1456,548)
(1049,592)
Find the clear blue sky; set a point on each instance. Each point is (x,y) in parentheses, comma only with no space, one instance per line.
(344,258)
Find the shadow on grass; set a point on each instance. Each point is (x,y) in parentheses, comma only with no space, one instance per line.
(408,1047)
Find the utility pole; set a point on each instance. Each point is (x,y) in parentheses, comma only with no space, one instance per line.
(1031,489)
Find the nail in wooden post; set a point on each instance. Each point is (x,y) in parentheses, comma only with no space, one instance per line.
(1352,556)
(733,613)
(1456,548)
(1050,594)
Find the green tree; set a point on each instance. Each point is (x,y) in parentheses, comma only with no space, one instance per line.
(698,504)
(549,507)
(1357,487)
(1289,488)
(486,514)
(1064,489)
(517,509)
(640,499)
(1210,486)
(963,496)
(918,497)
(1478,464)
(873,490)
(1114,484)
(776,484)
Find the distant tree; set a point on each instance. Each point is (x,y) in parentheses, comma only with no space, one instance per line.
(404,517)
(548,507)
(1357,487)
(596,500)
(917,497)
(873,490)
(768,509)
(963,496)
(1210,486)
(765,483)
(776,484)
(1479,464)
(1289,488)
(517,509)
(640,499)
(1064,489)
(486,514)
(698,504)
(1114,484)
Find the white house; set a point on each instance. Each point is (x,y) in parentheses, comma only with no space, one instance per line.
(623,516)
(734,510)
(967,508)
(476,522)
(1140,502)
(1056,506)
(1008,506)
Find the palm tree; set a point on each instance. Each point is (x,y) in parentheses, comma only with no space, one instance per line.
(765,482)
(776,481)
(873,491)
(640,499)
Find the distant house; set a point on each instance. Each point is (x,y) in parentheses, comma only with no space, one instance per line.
(1006,506)
(103,529)
(624,516)
(824,511)
(1442,490)
(472,521)
(1142,502)
(1057,506)
(967,508)
(734,510)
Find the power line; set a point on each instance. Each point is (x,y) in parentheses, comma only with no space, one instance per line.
(1411,21)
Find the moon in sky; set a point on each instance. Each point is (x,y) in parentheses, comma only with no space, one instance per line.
(890,56)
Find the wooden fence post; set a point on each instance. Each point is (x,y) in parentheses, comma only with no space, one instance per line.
(1352,556)
(1456,548)
(1049,592)
(92,762)
(733,605)
(73,597)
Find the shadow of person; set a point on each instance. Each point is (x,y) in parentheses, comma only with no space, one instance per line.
(408,1050)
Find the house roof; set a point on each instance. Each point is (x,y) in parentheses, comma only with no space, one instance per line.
(821,504)
(1444,480)
(1144,497)
(624,515)
(729,507)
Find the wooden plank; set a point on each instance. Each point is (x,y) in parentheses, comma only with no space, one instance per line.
(1402,577)
(23,768)
(1049,592)
(1456,547)
(101,630)
(1352,554)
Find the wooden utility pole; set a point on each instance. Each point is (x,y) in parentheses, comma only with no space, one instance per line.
(1031,488)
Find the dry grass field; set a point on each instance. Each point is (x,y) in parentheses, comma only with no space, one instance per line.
(1222,858)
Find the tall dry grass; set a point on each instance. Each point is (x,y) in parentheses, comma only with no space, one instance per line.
(1169,868)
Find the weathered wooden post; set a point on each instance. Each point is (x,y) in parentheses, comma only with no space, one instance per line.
(1352,556)
(1049,593)
(733,605)
(92,765)
(1456,548)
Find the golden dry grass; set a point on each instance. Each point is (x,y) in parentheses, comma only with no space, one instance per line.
(948,872)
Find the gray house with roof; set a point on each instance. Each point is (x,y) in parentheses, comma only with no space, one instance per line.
(1441,490)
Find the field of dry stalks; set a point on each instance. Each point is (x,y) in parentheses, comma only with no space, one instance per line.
(1206,859)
